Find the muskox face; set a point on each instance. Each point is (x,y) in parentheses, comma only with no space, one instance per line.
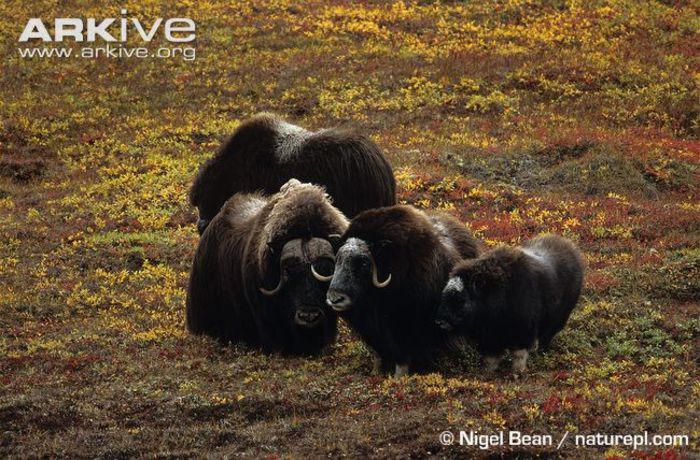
(476,286)
(296,284)
(457,305)
(207,209)
(202,224)
(356,274)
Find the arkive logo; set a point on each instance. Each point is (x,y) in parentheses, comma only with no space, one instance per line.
(108,38)
(175,30)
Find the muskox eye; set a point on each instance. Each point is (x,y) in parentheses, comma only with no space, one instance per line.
(474,288)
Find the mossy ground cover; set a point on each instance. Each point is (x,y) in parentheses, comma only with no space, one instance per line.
(519,117)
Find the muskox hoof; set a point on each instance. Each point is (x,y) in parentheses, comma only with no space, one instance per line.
(307,318)
(401,371)
(519,361)
(491,363)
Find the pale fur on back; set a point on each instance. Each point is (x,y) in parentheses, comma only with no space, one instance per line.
(294,202)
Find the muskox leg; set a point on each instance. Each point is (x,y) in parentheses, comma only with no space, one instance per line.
(492,362)
(519,361)
(401,370)
(376,364)
(535,345)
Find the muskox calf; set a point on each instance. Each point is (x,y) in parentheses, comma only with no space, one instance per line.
(262,269)
(266,151)
(513,298)
(389,274)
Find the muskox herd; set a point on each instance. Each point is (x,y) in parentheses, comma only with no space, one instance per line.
(279,261)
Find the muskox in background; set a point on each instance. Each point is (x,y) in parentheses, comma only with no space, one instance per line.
(389,274)
(266,151)
(514,298)
(262,269)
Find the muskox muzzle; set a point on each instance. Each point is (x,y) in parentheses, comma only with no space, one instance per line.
(308,318)
(202,225)
(444,325)
(337,300)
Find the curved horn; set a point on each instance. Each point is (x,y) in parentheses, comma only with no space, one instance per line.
(375,281)
(271,248)
(274,291)
(318,276)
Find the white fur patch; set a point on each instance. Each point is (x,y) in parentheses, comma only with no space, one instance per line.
(455,284)
(444,236)
(355,246)
(250,208)
(541,257)
(289,185)
(244,210)
(289,139)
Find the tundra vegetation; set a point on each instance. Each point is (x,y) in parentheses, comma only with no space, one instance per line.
(517,117)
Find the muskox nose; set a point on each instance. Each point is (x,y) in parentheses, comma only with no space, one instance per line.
(444,325)
(307,318)
(202,225)
(337,300)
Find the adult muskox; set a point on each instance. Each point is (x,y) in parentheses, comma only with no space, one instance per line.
(262,269)
(389,274)
(266,151)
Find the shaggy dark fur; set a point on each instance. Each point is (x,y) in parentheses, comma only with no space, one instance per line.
(418,251)
(265,152)
(257,242)
(514,298)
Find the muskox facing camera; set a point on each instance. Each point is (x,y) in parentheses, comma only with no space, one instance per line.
(262,269)
(389,273)
(513,299)
(266,151)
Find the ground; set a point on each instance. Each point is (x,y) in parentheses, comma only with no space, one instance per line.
(518,117)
